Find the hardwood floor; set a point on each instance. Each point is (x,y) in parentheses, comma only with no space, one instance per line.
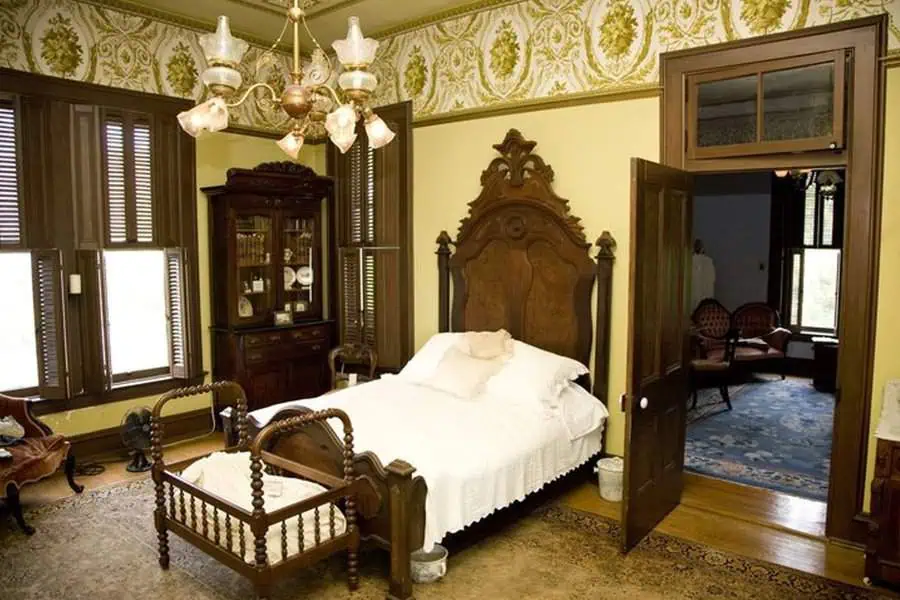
(751,522)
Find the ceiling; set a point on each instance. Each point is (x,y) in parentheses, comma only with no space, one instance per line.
(260,21)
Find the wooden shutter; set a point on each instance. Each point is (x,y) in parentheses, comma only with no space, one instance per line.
(128,179)
(49,317)
(10,194)
(374,213)
(177,313)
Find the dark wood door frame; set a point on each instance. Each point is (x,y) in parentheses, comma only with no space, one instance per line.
(862,157)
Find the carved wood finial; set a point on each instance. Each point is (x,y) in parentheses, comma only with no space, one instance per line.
(517,161)
(443,241)
(285,166)
(607,245)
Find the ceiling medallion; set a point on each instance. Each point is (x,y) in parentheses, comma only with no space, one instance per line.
(309,100)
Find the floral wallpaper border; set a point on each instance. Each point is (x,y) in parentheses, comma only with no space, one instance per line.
(543,49)
(86,42)
(507,54)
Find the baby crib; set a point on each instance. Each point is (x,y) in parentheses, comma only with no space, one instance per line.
(221,528)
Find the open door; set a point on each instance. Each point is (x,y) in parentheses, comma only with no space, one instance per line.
(658,345)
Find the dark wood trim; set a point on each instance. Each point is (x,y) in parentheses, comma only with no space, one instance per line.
(79,92)
(863,159)
(106,442)
(140,390)
(606,257)
(443,253)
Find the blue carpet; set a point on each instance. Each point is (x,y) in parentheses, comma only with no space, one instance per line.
(778,436)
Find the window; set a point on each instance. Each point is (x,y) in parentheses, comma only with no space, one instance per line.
(813,255)
(374,241)
(110,303)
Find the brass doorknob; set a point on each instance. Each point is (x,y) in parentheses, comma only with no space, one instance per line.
(644,403)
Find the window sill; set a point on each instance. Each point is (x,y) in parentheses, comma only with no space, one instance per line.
(152,387)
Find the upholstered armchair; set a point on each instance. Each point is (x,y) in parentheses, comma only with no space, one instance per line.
(761,334)
(38,455)
(711,323)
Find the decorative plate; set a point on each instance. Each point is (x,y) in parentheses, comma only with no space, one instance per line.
(245,308)
(304,275)
(289,277)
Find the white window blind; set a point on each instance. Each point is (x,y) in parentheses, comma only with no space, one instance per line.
(10,203)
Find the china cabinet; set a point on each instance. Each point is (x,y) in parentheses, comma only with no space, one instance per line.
(268,256)
(883,550)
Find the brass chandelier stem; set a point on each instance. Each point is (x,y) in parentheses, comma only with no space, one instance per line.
(298,68)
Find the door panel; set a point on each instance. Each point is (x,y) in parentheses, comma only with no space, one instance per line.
(661,207)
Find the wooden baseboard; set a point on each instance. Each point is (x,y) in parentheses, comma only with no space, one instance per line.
(108,442)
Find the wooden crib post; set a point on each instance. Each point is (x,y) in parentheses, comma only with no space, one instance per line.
(259,527)
(400,490)
(159,513)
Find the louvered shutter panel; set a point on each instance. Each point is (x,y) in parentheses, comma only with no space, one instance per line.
(49,317)
(177,313)
(10,196)
(116,196)
(128,171)
(350,281)
(143,183)
(369,285)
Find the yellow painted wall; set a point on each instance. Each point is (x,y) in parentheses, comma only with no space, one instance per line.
(887,343)
(216,153)
(589,148)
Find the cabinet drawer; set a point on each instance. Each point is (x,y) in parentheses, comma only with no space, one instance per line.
(263,339)
(319,332)
(310,347)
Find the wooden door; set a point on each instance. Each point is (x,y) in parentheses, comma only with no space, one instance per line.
(658,343)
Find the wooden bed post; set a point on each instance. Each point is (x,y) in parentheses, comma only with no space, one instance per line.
(259,527)
(606,256)
(443,254)
(159,513)
(400,489)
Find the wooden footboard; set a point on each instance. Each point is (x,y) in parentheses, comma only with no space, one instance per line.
(391,506)
(239,538)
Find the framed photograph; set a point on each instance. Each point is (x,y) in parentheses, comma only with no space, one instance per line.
(283,317)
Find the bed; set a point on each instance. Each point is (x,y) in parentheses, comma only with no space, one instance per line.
(520,263)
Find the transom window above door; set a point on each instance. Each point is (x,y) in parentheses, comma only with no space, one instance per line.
(790,105)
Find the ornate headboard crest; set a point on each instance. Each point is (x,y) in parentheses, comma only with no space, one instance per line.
(521,174)
(522,262)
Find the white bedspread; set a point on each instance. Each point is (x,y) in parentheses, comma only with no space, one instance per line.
(476,456)
(227,475)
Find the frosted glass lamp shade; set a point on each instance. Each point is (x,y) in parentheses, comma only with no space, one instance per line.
(341,121)
(221,48)
(355,50)
(378,131)
(219,77)
(291,144)
(343,140)
(212,115)
(358,80)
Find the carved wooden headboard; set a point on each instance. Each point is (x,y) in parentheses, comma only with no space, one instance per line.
(522,263)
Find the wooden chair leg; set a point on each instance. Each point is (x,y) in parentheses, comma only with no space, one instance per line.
(15,504)
(70,474)
(694,402)
(724,391)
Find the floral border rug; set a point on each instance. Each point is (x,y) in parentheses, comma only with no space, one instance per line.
(103,546)
(778,436)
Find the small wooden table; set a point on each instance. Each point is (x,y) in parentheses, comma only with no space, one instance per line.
(825,352)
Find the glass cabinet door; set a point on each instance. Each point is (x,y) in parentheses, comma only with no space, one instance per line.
(255,268)
(300,260)
(789,105)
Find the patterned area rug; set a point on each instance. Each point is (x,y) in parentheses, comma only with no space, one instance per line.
(778,436)
(102,546)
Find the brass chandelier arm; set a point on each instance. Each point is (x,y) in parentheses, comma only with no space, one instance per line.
(318,90)
(266,86)
(316,42)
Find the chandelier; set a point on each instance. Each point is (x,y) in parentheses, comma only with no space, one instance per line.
(309,100)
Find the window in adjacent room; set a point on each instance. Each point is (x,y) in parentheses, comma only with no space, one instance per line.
(813,257)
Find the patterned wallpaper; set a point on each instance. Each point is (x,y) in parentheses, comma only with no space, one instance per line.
(502,55)
(540,48)
(73,40)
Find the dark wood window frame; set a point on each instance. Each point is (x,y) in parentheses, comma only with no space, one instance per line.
(866,41)
(64,209)
(376,186)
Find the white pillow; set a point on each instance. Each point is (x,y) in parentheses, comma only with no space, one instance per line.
(425,362)
(462,375)
(581,412)
(534,375)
